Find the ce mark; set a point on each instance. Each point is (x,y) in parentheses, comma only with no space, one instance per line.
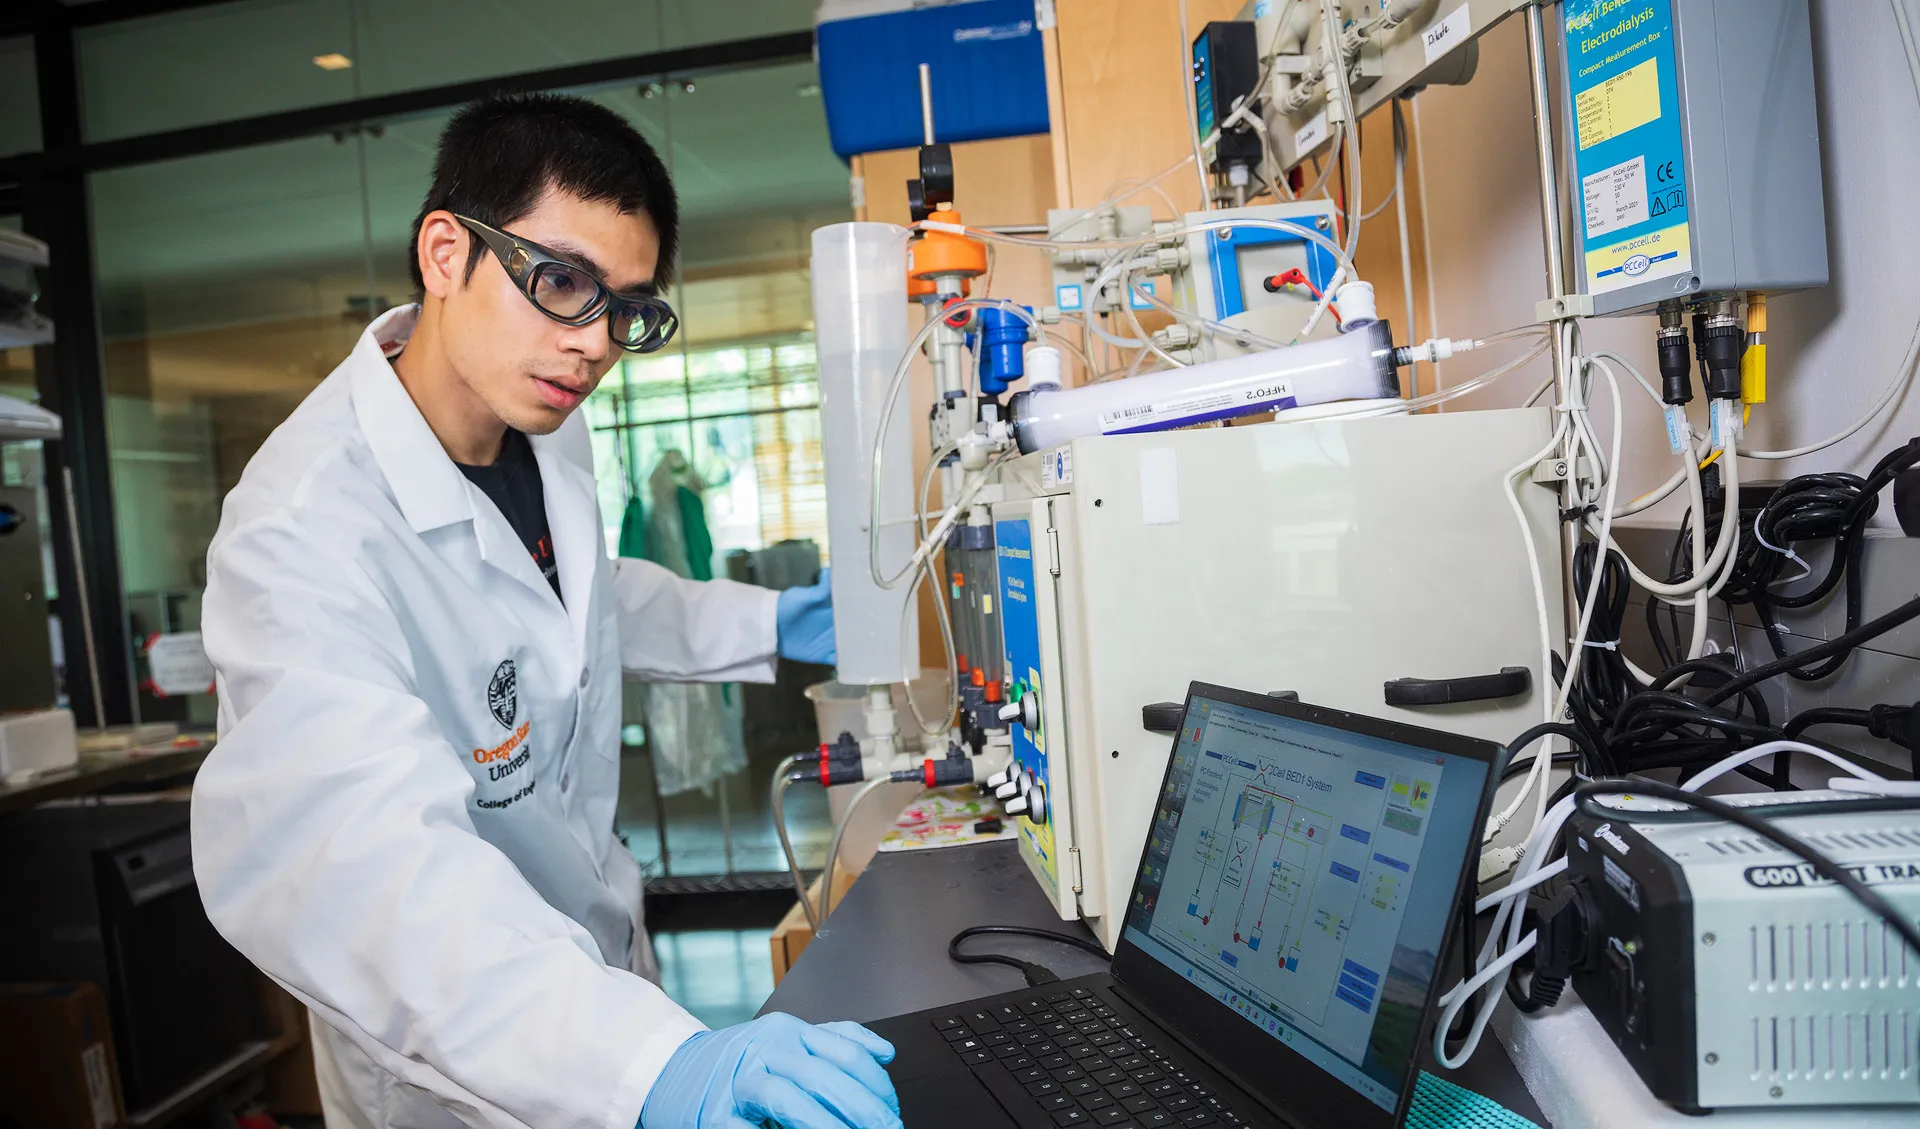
(1664,173)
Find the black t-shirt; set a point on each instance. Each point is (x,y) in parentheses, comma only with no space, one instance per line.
(513,482)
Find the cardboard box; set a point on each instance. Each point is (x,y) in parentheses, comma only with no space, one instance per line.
(57,1067)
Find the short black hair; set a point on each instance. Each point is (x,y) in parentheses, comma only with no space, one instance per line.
(496,157)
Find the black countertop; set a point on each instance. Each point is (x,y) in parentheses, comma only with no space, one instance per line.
(884,950)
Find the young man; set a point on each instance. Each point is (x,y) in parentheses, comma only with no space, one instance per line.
(419,641)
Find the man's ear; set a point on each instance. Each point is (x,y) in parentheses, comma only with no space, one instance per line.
(442,251)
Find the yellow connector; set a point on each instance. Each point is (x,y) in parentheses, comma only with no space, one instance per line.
(1753,363)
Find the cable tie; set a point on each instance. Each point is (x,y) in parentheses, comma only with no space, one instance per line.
(1608,645)
(1806,569)
(1577,513)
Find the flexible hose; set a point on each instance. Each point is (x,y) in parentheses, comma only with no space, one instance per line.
(833,848)
(781,780)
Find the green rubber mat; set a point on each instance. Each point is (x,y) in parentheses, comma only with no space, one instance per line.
(1439,1104)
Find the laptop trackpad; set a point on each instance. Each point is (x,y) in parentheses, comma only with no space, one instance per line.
(955,1098)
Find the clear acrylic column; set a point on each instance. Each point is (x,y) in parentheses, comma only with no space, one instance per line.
(860,332)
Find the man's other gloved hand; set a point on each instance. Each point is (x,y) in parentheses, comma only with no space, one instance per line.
(777,1071)
(805,619)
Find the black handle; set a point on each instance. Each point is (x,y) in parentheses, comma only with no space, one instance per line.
(1162,717)
(1510,681)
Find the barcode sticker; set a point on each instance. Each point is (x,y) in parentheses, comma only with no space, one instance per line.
(1198,409)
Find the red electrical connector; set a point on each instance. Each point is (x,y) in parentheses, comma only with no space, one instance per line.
(1296,277)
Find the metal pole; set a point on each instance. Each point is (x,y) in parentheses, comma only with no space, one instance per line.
(1555,249)
(86,604)
(926,103)
(1549,170)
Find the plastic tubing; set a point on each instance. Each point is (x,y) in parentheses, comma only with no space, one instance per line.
(1445,394)
(1149,239)
(780,783)
(892,400)
(840,835)
(939,604)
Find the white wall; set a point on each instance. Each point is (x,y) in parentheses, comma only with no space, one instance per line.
(1831,351)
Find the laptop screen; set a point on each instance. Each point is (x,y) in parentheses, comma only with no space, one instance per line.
(1304,875)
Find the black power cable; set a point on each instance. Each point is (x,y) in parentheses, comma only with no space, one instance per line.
(1839,644)
(1036,974)
(1813,507)
(1793,844)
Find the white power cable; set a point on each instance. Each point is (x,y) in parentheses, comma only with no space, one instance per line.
(1515,889)
(1767,749)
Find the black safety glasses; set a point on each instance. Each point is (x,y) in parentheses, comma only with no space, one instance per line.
(638,323)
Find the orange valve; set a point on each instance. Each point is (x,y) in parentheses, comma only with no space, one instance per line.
(943,253)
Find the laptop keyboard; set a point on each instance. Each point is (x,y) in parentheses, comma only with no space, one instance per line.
(1073,1058)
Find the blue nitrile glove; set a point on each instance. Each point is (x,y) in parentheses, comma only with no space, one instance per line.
(805,618)
(776,1071)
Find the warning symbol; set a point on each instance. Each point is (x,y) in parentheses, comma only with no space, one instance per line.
(1659,206)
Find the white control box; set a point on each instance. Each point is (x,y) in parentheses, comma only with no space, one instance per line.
(1324,559)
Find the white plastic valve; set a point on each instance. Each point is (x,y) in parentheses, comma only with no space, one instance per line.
(1356,305)
(1015,806)
(1043,367)
(1010,712)
(1007,791)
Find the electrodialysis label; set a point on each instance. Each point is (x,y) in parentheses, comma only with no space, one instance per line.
(1020,624)
(1629,153)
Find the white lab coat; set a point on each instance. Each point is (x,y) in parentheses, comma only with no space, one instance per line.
(408,820)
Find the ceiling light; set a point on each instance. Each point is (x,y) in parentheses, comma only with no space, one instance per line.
(332,61)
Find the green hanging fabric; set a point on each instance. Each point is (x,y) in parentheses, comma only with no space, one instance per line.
(693,525)
(633,530)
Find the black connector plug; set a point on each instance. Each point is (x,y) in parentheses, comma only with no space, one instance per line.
(1676,368)
(1723,348)
(1899,724)
(1565,920)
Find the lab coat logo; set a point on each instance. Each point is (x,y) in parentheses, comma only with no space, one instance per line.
(503,696)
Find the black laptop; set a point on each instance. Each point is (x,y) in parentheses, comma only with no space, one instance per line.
(1281,951)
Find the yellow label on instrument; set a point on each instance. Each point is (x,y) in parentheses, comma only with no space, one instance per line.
(1623,102)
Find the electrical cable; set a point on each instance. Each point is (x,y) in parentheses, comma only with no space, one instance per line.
(1872,629)
(1036,974)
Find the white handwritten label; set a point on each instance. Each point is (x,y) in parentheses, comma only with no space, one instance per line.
(1310,135)
(1451,31)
